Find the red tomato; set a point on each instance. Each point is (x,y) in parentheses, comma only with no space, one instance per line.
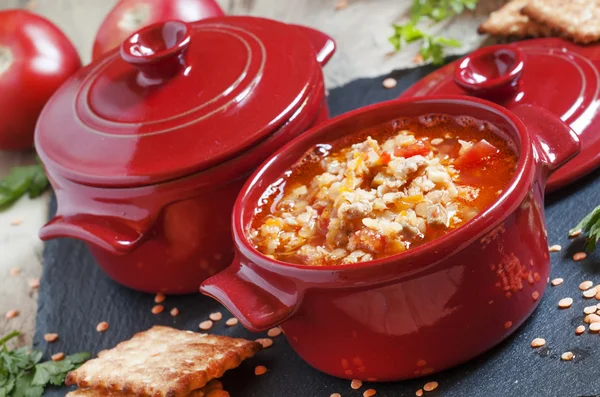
(35,59)
(419,147)
(131,15)
(480,152)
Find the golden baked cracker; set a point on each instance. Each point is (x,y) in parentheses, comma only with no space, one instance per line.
(163,362)
(578,20)
(214,388)
(509,21)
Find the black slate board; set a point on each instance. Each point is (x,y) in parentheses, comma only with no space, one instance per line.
(75,295)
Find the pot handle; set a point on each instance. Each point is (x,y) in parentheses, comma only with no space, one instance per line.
(109,234)
(323,44)
(554,141)
(259,301)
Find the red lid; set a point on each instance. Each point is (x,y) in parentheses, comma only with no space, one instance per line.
(177,98)
(552,73)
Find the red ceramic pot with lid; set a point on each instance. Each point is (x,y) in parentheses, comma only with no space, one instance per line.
(148,147)
(552,73)
(424,310)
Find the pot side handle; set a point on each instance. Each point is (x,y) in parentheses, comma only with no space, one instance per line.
(323,44)
(113,236)
(251,298)
(554,141)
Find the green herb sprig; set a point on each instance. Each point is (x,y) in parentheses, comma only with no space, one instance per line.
(590,225)
(436,10)
(30,179)
(23,375)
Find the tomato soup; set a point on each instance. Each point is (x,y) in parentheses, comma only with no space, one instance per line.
(382,191)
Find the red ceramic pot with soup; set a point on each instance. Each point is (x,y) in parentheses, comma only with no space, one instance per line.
(148,147)
(427,245)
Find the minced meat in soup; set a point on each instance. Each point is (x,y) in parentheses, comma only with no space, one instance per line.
(383,191)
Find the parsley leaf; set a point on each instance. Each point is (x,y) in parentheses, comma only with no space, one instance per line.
(590,225)
(22,374)
(436,10)
(30,179)
(432,48)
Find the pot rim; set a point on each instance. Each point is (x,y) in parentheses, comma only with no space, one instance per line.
(411,261)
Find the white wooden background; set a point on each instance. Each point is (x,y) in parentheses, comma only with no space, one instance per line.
(361,31)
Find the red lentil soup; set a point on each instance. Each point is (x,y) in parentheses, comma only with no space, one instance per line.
(382,191)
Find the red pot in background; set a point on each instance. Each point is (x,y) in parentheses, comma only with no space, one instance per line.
(424,310)
(129,16)
(147,148)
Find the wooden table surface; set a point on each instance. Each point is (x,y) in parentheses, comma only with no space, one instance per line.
(361,31)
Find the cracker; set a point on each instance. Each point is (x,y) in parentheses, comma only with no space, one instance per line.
(163,362)
(214,388)
(578,20)
(509,21)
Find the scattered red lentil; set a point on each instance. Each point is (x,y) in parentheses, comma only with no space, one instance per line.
(590,309)
(159,298)
(206,325)
(16,222)
(174,312)
(356,384)
(260,370)
(557,281)
(51,338)
(274,332)
(216,316)
(11,314)
(575,233)
(390,82)
(565,303)
(595,327)
(336,395)
(580,330)
(265,342)
(579,256)
(535,295)
(102,326)
(555,248)
(421,363)
(369,393)
(538,342)
(507,324)
(430,386)
(158,309)
(585,285)
(14,271)
(591,318)
(598,294)
(58,356)
(590,293)
(567,356)
(231,322)
(341,4)
(419,393)
(34,283)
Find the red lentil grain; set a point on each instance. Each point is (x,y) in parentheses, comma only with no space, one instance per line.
(206,325)
(567,356)
(579,256)
(580,330)
(535,295)
(58,356)
(595,327)
(555,248)
(274,332)
(15,271)
(260,370)
(575,233)
(369,393)
(102,326)
(158,309)
(538,342)
(231,322)
(419,393)
(216,316)
(390,82)
(174,312)
(557,281)
(11,314)
(585,285)
(50,337)
(34,283)
(565,303)
(430,386)
(159,298)
(265,342)
(356,384)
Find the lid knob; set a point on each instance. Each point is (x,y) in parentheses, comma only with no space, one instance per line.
(158,50)
(491,71)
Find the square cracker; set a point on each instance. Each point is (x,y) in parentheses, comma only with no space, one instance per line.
(509,21)
(214,388)
(163,362)
(578,20)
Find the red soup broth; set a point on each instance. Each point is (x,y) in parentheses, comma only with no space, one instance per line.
(383,190)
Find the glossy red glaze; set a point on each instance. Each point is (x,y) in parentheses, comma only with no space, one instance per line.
(170,235)
(35,59)
(128,16)
(557,75)
(424,310)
